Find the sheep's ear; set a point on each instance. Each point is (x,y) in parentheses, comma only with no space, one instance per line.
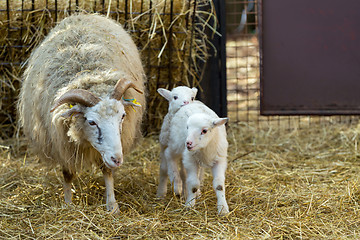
(75,110)
(165,93)
(195,90)
(220,121)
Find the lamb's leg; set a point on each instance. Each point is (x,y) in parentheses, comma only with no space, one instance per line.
(173,171)
(218,171)
(68,177)
(183,179)
(201,178)
(192,179)
(163,176)
(111,203)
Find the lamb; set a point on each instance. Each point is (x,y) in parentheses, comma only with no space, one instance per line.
(198,137)
(75,103)
(177,97)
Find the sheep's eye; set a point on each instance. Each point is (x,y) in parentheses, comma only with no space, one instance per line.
(204,131)
(192,99)
(123,116)
(175,97)
(92,123)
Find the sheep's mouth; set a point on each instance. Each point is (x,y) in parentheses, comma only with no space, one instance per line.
(111,164)
(190,148)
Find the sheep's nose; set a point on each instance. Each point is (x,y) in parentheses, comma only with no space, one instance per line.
(188,143)
(186,102)
(117,161)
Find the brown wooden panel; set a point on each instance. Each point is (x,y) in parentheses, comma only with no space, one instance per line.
(310,57)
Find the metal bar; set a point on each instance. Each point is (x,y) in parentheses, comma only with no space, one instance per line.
(170,45)
(56,10)
(149,46)
(214,78)
(191,44)
(126,13)
(8,16)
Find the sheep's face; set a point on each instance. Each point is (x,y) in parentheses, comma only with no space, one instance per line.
(102,129)
(178,97)
(200,130)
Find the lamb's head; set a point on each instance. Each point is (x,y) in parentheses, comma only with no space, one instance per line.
(178,96)
(100,119)
(200,130)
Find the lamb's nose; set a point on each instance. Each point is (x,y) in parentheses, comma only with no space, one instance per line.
(188,143)
(186,102)
(117,161)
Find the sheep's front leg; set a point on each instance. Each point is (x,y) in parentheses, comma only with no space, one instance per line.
(173,170)
(68,177)
(218,171)
(192,179)
(162,188)
(111,203)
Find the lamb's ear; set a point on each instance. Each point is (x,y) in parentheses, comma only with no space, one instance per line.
(195,90)
(75,110)
(220,121)
(165,93)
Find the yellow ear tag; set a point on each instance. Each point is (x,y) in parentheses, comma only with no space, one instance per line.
(133,100)
(71,106)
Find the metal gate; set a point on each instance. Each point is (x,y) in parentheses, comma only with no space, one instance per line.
(243,28)
(310,56)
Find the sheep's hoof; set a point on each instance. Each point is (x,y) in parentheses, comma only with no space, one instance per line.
(178,192)
(113,208)
(223,210)
(160,195)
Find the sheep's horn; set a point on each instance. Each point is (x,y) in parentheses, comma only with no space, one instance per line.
(121,86)
(80,96)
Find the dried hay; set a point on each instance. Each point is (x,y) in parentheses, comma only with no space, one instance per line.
(170,35)
(299,184)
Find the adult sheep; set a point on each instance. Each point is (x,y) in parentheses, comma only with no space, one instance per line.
(72,101)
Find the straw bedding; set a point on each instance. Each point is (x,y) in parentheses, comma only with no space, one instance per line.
(299,184)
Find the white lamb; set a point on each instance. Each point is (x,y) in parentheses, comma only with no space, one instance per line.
(177,97)
(198,136)
(72,103)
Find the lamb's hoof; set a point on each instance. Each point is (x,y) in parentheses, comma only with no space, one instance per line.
(198,193)
(190,204)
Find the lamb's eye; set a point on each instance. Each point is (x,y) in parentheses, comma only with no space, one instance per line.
(192,99)
(123,116)
(92,123)
(204,131)
(175,97)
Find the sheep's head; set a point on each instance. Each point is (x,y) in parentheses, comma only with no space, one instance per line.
(101,119)
(178,96)
(200,128)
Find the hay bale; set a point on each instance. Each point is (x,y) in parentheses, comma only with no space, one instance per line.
(169,34)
